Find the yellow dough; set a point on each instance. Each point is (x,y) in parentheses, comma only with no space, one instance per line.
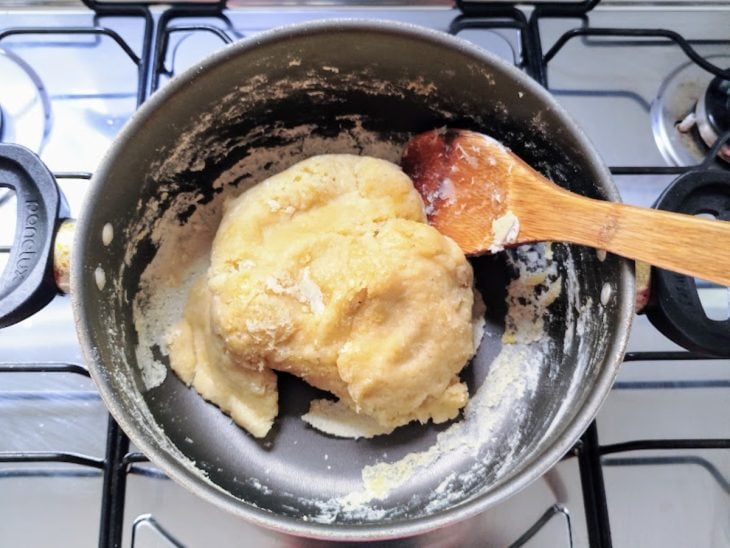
(199,359)
(329,271)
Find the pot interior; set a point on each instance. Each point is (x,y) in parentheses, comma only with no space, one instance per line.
(252,111)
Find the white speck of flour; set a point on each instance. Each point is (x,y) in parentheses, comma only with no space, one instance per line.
(107,234)
(606,292)
(100,278)
(505,230)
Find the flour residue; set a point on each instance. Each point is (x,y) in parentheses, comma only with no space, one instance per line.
(446,193)
(100,278)
(107,234)
(606,293)
(505,230)
(529,296)
(305,290)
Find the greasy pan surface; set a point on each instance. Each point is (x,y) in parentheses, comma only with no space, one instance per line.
(322,81)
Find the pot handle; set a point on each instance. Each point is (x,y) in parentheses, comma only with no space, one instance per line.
(674,307)
(27,283)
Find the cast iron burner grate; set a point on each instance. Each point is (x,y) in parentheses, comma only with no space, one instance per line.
(118,462)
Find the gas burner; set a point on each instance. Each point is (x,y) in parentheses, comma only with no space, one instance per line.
(713,114)
(683,127)
(26,109)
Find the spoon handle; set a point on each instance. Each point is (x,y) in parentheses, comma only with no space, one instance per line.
(682,243)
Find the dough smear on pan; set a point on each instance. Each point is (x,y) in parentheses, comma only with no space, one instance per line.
(198,357)
(329,271)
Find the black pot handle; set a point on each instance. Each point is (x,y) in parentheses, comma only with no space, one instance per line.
(675,308)
(27,283)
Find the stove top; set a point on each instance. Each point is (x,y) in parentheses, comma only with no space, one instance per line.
(653,470)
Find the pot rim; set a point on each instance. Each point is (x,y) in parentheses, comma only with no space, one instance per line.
(346,532)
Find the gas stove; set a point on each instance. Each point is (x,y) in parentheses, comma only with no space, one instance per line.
(649,84)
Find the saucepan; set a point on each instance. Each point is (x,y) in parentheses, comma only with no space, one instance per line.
(249,111)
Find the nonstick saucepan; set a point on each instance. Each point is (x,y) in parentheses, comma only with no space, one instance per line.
(364,86)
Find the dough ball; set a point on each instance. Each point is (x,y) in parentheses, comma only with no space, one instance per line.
(329,271)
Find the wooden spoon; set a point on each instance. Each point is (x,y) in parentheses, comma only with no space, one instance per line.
(486,198)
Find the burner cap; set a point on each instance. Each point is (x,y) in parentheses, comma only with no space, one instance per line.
(713,114)
(681,129)
(717,105)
